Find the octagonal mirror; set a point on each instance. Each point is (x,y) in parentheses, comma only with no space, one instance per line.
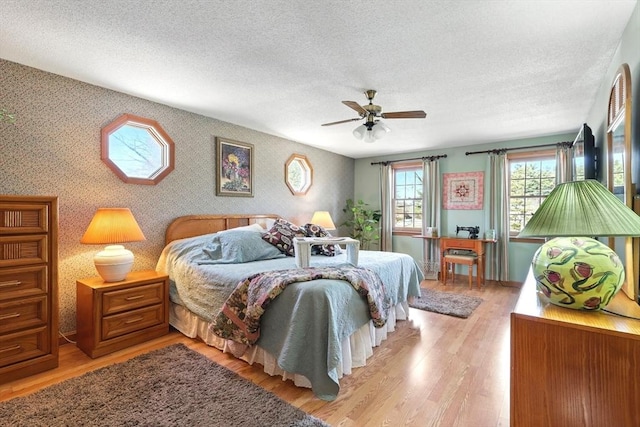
(137,150)
(298,174)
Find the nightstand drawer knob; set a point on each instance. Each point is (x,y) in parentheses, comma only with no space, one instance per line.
(9,316)
(134,297)
(10,283)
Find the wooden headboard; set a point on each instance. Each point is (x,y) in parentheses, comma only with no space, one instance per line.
(196,225)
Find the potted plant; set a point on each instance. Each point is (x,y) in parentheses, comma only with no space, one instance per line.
(363,222)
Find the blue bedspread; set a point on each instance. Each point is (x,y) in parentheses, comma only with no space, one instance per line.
(305,326)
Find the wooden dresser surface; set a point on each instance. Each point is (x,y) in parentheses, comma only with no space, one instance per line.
(574,368)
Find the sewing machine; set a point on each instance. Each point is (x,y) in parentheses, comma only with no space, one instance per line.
(473,231)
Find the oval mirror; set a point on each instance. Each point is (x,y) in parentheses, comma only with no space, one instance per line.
(298,174)
(137,150)
(619,166)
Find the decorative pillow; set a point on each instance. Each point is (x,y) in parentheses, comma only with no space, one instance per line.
(237,246)
(281,236)
(314,230)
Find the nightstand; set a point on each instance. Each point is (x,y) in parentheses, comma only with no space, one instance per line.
(114,315)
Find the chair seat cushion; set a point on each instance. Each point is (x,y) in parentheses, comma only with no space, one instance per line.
(467,259)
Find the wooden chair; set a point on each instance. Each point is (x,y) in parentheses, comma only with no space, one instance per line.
(469,260)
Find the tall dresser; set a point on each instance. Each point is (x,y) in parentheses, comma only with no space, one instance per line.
(28,285)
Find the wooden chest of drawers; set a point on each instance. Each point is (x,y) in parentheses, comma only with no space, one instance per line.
(115,315)
(28,285)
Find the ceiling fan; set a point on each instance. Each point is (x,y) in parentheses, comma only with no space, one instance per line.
(373,128)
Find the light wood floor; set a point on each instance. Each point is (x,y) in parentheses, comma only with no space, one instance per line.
(434,370)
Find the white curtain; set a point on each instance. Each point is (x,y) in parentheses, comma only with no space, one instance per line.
(386,208)
(498,254)
(564,163)
(431,203)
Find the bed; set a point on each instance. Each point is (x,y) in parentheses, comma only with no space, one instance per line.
(314,332)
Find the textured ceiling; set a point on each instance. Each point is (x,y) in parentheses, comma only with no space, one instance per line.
(483,71)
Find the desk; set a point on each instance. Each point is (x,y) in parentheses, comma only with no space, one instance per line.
(475,245)
(572,367)
(303,248)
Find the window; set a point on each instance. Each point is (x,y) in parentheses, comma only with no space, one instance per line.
(618,167)
(298,174)
(137,150)
(532,176)
(578,162)
(407,199)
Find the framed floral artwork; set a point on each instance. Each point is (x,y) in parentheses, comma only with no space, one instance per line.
(463,190)
(234,168)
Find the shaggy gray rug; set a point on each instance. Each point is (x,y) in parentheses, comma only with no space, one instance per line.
(446,303)
(173,386)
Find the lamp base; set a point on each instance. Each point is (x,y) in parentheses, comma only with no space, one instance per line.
(113,263)
(577,272)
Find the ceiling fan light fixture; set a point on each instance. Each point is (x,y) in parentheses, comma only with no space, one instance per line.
(370,136)
(379,130)
(371,132)
(360,131)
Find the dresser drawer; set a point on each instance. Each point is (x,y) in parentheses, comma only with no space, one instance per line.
(24,345)
(23,218)
(131,321)
(23,250)
(23,313)
(132,298)
(23,282)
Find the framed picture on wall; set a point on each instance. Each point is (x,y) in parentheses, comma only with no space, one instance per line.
(234,166)
(463,190)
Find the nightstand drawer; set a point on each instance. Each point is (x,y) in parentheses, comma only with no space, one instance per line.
(23,313)
(135,297)
(23,250)
(23,281)
(131,321)
(24,345)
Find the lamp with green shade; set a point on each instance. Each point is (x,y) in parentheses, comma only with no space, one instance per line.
(574,270)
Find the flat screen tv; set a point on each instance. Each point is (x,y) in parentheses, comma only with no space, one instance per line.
(585,152)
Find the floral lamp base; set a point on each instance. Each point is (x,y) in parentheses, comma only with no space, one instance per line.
(577,272)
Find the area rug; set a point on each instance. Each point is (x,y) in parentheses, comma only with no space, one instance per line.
(448,303)
(173,386)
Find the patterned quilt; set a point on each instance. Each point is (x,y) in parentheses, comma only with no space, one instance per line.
(239,318)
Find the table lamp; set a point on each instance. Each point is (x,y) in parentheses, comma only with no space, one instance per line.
(574,270)
(323,219)
(109,226)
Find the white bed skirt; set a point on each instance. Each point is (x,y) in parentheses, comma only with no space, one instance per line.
(356,349)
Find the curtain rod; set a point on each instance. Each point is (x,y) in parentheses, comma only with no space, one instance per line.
(504,150)
(430,158)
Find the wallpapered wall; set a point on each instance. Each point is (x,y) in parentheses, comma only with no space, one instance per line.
(54,149)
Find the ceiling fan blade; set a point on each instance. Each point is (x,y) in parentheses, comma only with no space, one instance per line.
(357,107)
(341,121)
(419,114)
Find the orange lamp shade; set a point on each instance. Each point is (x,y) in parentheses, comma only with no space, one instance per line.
(111,226)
